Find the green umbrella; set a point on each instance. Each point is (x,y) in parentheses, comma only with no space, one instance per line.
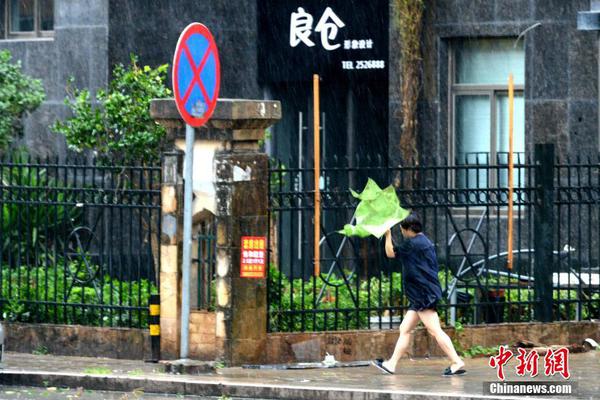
(377,211)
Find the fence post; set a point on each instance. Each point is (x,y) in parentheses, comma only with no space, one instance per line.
(544,230)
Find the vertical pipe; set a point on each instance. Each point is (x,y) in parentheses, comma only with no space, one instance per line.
(300,183)
(511,94)
(322,130)
(187,239)
(317,151)
(323,155)
(350,143)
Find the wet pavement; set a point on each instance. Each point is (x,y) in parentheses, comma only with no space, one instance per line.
(54,393)
(419,378)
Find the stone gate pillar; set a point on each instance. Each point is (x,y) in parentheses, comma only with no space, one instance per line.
(170,251)
(240,176)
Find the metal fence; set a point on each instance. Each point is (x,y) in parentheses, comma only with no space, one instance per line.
(79,241)
(463,206)
(205,263)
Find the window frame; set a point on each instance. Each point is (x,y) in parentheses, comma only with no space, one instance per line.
(37,32)
(490,90)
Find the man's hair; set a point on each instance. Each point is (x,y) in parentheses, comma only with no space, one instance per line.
(412,222)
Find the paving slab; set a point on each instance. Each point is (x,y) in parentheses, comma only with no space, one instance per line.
(415,379)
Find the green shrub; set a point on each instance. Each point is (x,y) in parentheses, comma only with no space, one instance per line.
(299,295)
(565,308)
(24,288)
(479,351)
(120,125)
(19,94)
(31,217)
(40,350)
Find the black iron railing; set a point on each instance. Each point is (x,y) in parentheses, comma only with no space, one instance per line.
(205,262)
(576,234)
(464,210)
(78,240)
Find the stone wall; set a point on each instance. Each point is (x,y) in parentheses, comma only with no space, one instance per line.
(79,49)
(77,340)
(561,67)
(150,29)
(203,342)
(365,345)
(561,81)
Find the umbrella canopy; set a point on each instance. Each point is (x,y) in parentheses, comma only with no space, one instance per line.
(378,210)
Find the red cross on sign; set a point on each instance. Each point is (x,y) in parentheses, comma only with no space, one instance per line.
(196,74)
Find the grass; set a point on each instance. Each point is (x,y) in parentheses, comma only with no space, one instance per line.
(98,371)
(480,351)
(40,351)
(135,372)
(219,364)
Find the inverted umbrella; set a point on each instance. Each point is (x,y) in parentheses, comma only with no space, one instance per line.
(378,211)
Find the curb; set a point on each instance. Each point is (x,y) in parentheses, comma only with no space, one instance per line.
(198,387)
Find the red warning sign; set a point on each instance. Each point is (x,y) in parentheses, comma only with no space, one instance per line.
(253,257)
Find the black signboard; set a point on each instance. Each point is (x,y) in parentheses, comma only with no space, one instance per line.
(341,39)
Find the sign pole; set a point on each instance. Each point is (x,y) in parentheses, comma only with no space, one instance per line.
(187,238)
(511,98)
(317,157)
(196,82)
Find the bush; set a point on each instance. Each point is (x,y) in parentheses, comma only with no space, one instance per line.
(32,215)
(19,94)
(43,278)
(305,294)
(120,125)
(24,289)
(292,302)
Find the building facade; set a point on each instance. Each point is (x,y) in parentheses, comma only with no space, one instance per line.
(468,49)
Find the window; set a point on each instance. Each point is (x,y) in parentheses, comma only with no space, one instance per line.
(30,18)
(479,70)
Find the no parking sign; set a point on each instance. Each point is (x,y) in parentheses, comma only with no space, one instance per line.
(196,74)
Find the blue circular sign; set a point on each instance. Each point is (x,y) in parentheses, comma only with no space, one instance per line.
(196,74)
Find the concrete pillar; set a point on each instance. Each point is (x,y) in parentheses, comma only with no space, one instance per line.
(241,211)
(170,253)
(240,176)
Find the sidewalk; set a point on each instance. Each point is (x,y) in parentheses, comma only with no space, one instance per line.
(418,379)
